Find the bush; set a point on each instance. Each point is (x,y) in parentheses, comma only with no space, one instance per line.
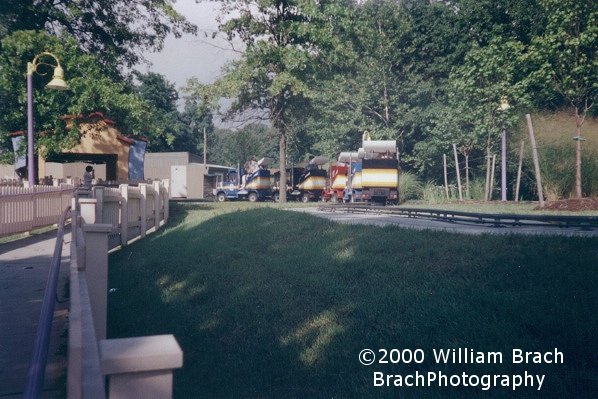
(435,194)
(411,188)
(558,171)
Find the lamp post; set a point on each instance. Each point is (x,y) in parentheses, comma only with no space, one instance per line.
(504,105)
(57,83)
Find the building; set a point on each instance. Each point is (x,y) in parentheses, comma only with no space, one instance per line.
(189,177)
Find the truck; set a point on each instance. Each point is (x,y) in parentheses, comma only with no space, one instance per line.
(241,185)
(307,183)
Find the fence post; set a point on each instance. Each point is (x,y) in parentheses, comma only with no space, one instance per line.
(96,269)
(98,194)
(88,210)
(143,208)
(124,214)
(140,367)
(157,204)
(166,184)
(33,207)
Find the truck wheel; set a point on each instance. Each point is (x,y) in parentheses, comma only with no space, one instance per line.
(252,197)
(305,198)
(221,197)
(277,197)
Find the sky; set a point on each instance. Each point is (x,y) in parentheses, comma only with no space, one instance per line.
(194,56)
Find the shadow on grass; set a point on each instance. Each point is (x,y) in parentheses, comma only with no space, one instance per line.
(271,304)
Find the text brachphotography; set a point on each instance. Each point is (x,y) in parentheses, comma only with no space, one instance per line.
(440,379)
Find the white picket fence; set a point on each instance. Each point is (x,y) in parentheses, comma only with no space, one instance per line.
(113,368)
(131,210)
(24,209)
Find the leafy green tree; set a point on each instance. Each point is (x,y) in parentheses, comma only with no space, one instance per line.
(162,96)
(485,20)
(396,60)
(235,147)
(270,75)
(196,118)
(90,90)
(471,118)
(567,58)
(117,31)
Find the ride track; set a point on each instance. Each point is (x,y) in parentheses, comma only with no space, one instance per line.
(586,223)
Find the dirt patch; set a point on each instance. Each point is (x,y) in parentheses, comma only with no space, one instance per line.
(572,204)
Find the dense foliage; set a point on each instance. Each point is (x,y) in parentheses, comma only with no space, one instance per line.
(319,73)
(426,73)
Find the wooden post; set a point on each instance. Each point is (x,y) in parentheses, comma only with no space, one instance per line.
(157,205)
(532,139)
(88,210)
(96,269)
(492,177)
(205,147)
(166,199)
(124,214)
(143,209)
(98,194)
(446,188)
(458,173)
(140,367)
(467,175)
(487,188)
(518,184)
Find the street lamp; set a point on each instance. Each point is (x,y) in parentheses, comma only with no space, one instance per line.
(504,105)
(57,83)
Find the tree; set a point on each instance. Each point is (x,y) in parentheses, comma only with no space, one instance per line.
(118,31)
(486,20)
(162,96)
(235,147)
(471,118)
(567,59)
(196,118)
(270,75)
(90,90)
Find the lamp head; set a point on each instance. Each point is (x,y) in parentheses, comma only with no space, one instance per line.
(58,82)
(504,104)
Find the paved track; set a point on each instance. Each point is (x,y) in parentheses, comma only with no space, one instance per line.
(24,266)
(454,227)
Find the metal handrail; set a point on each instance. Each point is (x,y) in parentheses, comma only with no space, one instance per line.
(496,219)
(37,366)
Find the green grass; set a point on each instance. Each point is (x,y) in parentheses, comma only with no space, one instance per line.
(274,304)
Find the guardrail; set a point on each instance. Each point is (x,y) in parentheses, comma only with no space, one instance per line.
(494,219)
(37,366)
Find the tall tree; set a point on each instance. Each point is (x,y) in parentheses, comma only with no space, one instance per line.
(196,118)
(567,59)
(162,96)
(118,31)
(270,75)
(235,147)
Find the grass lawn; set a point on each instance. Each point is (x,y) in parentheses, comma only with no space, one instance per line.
(273,304)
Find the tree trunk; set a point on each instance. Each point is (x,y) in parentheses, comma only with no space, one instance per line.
(283,163)
(467,176)
(446,187)
(578,123)
(518,184)
(487,188)
(532,139)
(458,174)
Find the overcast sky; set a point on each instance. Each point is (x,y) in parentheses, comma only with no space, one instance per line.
(194,56)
